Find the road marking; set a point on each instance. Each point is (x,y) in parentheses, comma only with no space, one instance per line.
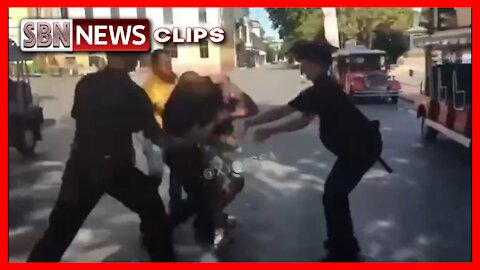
(445,131)
(449,133)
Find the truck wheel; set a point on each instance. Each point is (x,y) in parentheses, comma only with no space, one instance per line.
(394,100)
(26,144)
(428,134)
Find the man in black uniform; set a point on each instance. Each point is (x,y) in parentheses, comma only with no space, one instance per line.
(344,130)
(108,107)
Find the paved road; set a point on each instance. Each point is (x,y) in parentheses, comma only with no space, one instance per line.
(422,212)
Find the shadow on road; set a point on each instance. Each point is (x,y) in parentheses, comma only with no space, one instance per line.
(416,214)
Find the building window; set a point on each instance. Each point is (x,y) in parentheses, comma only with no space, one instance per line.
(38,12)
(141,13)
(89,13)
(203,48)
(446,18)
(202,15)
(64,13)
(115,13)
(167,15)
(172,48)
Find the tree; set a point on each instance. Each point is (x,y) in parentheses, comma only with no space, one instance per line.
(308,23)
(287,20)
(271,54)
(294,24)
(360,23)
(312,28)
(392,41)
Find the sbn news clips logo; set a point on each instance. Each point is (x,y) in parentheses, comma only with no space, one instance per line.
(134,35)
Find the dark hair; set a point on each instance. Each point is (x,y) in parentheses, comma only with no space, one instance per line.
(156,54)
(193,102)
(316,52)
(187,76)
(122,54)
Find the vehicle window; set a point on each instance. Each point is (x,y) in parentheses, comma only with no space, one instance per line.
(452,84)
(358,60)
(366,62)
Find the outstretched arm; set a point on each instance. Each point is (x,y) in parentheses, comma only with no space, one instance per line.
(270,116)
(295,124)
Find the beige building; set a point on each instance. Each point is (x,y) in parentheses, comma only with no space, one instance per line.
(206,57)
(250,47)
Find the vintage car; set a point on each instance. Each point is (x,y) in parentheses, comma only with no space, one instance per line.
(363,73)
(24,117)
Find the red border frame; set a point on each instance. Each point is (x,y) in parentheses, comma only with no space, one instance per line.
(239,3)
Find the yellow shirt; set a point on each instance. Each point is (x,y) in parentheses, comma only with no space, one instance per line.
(158,91)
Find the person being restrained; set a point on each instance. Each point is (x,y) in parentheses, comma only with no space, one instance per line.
(234,104)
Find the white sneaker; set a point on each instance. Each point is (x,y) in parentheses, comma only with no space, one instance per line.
(219,237)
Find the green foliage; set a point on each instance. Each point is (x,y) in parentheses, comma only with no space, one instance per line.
(287,20)
(393,42)
(307,23)
(271,54)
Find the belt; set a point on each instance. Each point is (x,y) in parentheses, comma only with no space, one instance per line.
(385,165)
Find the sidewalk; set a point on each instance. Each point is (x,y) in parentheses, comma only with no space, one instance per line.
(411,85)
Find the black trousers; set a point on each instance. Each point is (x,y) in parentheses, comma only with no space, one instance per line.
(343,178)
(226,192)
(86,179)
(187,168)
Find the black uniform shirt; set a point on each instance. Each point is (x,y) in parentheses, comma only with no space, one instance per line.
(344,130)
(108,107)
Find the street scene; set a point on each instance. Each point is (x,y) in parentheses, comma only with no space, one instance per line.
(421,212)
(407,68)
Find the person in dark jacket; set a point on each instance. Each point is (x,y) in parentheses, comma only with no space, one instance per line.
(344,130)
(108,107)
(191,116)
(221,144)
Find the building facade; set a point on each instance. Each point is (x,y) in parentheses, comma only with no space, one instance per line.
(15,15)
(205,57)
(250,47)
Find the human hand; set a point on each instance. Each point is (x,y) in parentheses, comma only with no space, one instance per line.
(261,135)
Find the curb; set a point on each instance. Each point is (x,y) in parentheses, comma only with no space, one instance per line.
(404,98)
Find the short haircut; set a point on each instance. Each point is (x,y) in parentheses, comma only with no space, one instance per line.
(122,54)
(316,52)
(187,76)
(156,54)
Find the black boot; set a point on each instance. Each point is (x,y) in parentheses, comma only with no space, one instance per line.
(335,257)
(342,251)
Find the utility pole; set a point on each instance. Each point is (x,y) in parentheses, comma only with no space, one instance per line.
(331,26)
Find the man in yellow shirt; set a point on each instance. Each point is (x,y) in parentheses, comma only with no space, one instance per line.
(161,82)
(158,86)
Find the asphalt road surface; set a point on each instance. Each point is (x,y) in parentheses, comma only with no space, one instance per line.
(421,212)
